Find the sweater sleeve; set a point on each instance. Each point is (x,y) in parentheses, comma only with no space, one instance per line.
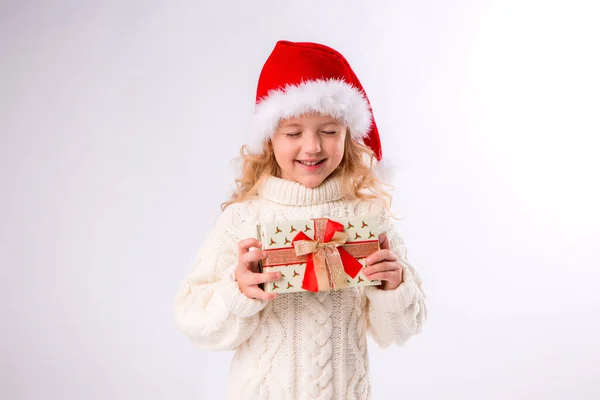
(395,315)
(210,308)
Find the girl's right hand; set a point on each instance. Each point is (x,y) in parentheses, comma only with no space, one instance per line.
(246,274)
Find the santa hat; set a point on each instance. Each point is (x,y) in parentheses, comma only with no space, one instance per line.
(309,77)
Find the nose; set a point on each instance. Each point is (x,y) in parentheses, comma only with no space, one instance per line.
(312,143)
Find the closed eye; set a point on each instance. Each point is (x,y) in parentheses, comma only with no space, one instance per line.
(329,132)
(293,134)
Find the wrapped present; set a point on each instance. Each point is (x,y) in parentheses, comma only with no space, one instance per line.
(318,254)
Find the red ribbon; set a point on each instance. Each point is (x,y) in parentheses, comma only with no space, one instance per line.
(351,265)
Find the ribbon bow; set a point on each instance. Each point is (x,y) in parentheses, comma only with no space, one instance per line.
(327,263)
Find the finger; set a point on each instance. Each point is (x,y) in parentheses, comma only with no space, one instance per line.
(252,279)
(381,267)
(384,242)
(380,256)
(255,292)
(252,256)
(245,245)
(265,277)
(388,276)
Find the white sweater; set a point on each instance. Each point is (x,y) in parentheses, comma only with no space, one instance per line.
(301,345)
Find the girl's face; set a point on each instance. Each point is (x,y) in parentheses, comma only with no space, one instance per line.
(309,148)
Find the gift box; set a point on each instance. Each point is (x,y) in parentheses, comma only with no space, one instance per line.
(318,254)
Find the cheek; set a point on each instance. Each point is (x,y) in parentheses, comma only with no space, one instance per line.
(337,149)
(283,152)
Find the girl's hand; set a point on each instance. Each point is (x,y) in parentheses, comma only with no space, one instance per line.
(384,265)
(246,274)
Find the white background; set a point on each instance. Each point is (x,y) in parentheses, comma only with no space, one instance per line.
(118,121)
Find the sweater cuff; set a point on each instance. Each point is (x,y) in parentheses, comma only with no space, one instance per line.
(235,301)
(396,301)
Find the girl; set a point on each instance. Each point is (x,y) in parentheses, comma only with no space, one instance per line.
(310,156)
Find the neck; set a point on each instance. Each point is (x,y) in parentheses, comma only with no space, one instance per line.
(286,192)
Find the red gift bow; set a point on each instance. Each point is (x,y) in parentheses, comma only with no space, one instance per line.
(350,265)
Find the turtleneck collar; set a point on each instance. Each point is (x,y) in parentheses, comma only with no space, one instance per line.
(286,192)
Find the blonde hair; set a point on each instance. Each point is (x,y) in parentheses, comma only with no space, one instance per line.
(358,179)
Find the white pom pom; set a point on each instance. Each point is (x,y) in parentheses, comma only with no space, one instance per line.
(385,171)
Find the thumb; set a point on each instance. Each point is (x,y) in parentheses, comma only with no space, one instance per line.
(384,242)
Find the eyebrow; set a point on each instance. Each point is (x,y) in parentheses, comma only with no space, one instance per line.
(330,122)
(290,125)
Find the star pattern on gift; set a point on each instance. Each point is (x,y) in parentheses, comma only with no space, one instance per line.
(371,235)
(277,230)
(289,285)
(357,236)
(287,241)
(292,229)
(307,228)
(272,242)
(364,224)
(296,274)
(350,225)
(275,286)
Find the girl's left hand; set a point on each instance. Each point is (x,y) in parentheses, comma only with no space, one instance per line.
(384,265)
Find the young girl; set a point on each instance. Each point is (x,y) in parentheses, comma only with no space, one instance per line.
(310,156)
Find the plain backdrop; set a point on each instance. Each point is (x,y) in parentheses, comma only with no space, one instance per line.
(118,123)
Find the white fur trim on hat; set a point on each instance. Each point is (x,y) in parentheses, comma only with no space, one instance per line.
(333,97)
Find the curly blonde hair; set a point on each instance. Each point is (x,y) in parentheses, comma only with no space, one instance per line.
(355,170)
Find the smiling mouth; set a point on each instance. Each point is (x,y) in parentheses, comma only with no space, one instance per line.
(311,163)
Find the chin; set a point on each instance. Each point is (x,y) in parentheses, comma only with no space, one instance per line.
(306,179)
(311,182)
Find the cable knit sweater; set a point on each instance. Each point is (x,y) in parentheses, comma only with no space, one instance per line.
(300,345)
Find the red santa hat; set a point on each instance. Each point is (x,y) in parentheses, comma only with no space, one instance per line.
(309,77)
